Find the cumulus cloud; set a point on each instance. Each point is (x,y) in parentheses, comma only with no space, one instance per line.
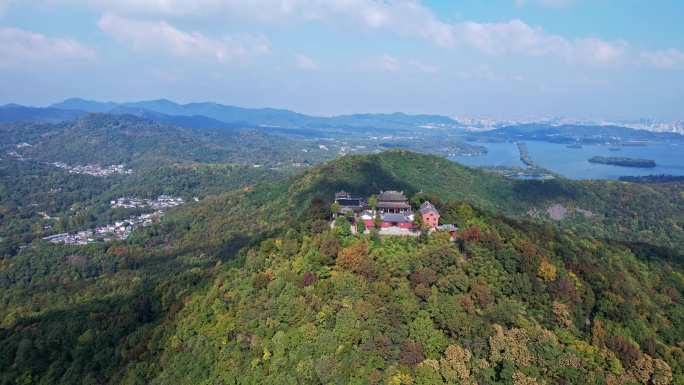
(404,18)
(669,59)
(162,37)
(21,48)
(305,63)
(517,37)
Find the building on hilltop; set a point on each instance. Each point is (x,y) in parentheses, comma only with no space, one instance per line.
(393,202)
(392,210)
(350,204)
(403,221)
(429,214)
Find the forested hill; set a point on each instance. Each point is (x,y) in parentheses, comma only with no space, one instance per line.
(108,139)
(252,286)
(652,214)
(509,303)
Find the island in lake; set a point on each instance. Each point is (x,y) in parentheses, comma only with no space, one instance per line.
(624,162)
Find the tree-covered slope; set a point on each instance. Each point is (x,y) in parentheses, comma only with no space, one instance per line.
(509,303)
(605,209)
(113,139)
(252,286)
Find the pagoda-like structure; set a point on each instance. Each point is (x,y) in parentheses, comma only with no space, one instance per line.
(393,202)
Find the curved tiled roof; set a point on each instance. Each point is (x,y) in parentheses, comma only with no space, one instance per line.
(428,207)
(392,196)
(393,204)
(399,218)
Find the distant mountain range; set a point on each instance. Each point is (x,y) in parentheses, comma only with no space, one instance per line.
(210,115)
(15,113)
(217,115)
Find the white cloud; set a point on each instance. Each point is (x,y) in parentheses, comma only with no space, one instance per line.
(666,59)
(21,48)
(404,18)
(305,63)
(517,37)
(162,37)
(599,51)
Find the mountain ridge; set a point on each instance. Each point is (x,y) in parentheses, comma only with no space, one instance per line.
(259,116)
(254,286)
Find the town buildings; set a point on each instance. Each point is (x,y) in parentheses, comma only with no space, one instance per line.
(120,230)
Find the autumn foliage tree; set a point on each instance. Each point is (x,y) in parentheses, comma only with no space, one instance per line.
(355,258)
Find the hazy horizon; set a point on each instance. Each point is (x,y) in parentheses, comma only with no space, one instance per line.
(508,59)
(492,117)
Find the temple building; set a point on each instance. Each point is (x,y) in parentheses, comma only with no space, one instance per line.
(430,215)
(349,203)
(393,202)
(392,210)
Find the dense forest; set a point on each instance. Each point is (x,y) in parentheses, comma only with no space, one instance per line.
(251,285)
(142,143)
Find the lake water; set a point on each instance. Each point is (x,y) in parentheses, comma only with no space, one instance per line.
(574,164)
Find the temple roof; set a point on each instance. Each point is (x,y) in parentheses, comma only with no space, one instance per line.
(395,218)
(393,205)
(350,202)
(427,208)
(392,196)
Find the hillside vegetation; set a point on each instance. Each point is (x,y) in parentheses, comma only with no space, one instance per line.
(651,214)
(251,286)
(141,143)
(508,304)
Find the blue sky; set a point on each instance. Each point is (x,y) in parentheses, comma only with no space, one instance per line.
(593,59)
